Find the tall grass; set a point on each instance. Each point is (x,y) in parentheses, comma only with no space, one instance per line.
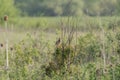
(83,48)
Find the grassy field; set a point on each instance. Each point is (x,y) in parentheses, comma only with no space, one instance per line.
(61,48)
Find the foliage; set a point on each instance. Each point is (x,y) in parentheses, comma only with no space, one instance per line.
(37,57)
(59,8)
(89,48)
(48,8)
(7,8)
(68,7)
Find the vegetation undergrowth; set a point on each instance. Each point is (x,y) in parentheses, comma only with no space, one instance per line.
(75,55)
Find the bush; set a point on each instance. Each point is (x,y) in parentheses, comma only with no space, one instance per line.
(89,48)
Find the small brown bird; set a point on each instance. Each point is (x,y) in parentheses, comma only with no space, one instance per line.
(58,42)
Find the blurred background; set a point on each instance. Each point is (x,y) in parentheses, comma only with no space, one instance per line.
(59,40)
(60,7)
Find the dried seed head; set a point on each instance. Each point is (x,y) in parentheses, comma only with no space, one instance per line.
(5,18)
(105,70)
(1,45)
(11,48)
(111,65)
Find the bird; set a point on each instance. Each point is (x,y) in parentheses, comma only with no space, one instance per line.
(58,42)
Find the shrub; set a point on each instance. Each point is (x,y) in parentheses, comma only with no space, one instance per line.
(89,48)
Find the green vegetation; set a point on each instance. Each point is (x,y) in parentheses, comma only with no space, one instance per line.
(68,7)
(83,54)
(7,7)
(81,41)
(60,8)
